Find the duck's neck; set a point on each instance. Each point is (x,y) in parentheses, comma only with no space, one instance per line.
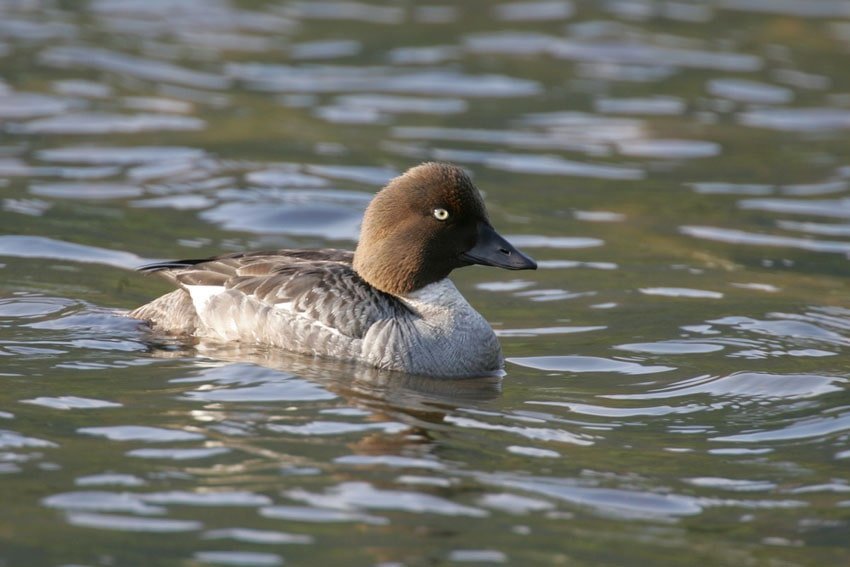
(438,300)
(398,274)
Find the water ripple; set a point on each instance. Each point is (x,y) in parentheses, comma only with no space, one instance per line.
(533,433)
(539,164)
(140,433)
(607,501)
(345,10)
(734,485)
(258,385)
(118,155)
(563,242)
(32,306)
(245,535)
(735,236)
(543,10)
(109,479)
(362,495)
(122,64)
(132,523)
(812,9)
(792,327)
(743,90)
(14,440)
(42,247)
(536,332)
(324,49)
(513,138)
(337,428)
(586,364)
(338,79)
(609,412)
(746,384)
(29,105)
(389,461)
(681,292)
(819,207)
(243,558)
(334,215)
(71,402)
(797,119)
(85,190)
(533,452)
(211,498)
(724,188)
(101,501)
(183,454)
(285,177)
(82,88)
(319,515)
(610,51)
(669,149)
(807,428)
(94,123)
(478,556)
(651,106)
(671,347)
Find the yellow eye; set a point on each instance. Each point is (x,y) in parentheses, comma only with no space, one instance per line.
(441,214)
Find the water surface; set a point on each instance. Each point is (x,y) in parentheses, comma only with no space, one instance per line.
(676,384)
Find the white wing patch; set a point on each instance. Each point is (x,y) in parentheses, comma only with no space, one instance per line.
(284,307)
(201,295)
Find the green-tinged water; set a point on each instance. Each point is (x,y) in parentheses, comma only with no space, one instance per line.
(676,390)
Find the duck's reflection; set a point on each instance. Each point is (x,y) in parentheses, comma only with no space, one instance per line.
(420,402)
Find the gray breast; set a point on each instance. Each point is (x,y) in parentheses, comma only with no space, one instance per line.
(443,336)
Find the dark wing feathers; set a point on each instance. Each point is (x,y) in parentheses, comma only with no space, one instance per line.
(319,284)
(252,263)
(218,269)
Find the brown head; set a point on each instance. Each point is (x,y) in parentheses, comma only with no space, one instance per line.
(423,225)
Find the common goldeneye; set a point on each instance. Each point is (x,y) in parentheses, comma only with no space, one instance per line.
(389,304)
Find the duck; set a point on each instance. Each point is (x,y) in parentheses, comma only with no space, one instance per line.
(389,304)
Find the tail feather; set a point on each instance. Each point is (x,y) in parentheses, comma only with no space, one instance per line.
(173,312)
(170,265)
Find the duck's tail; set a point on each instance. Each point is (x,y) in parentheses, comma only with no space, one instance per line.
(173,313)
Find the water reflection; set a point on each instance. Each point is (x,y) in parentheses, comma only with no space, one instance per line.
(621,503)
(89,123)
(111,61)
(257,374)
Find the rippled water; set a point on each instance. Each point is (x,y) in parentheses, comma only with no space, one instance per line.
(677,378)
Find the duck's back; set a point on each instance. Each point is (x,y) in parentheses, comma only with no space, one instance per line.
(308,301)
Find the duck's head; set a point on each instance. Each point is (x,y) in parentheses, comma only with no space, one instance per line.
(423,225)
